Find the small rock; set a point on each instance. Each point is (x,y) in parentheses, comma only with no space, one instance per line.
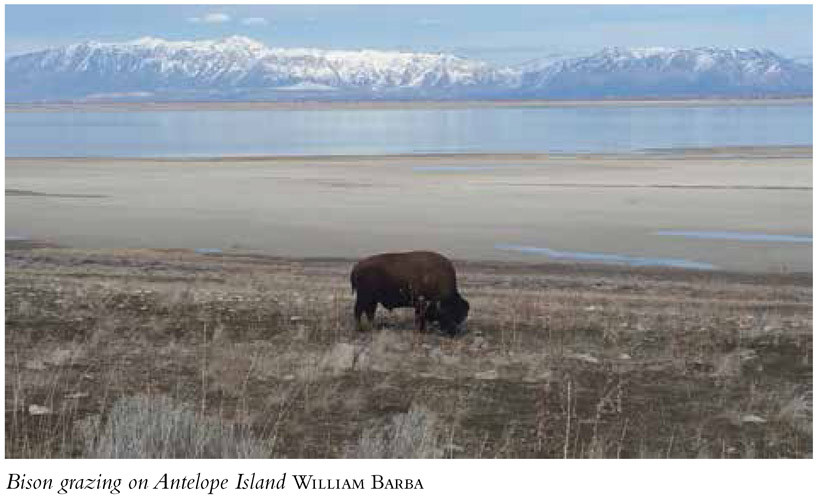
(34,365)
(289,377)
(478,343)
(39,410)
(538,378)
(60,357)
(487,375)
(752,419)
(590,308)
(624,356)
(296,318)
(584,357)
(77,395)
(746,355)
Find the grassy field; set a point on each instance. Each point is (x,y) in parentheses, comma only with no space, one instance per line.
(140,353)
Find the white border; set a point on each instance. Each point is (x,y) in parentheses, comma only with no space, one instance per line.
(631,479)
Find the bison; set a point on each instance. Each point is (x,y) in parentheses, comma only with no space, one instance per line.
(425,281)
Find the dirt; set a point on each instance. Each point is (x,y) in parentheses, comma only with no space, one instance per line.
(556,360)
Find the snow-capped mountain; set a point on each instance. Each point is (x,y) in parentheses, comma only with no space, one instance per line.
(239,65)
(241,68)
(619,72)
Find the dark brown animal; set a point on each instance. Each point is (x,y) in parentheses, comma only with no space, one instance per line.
(425,281)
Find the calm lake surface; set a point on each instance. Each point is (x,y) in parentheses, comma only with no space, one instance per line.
(403,131)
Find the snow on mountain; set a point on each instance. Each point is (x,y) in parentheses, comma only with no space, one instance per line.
(646,72)
(236,64)
(240,68)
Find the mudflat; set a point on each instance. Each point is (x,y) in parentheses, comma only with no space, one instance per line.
(649,208)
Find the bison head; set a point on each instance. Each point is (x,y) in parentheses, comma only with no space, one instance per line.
(451,313)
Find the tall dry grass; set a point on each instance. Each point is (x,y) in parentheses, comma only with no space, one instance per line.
(142,426)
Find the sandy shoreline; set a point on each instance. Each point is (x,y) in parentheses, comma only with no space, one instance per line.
(356,105)
(219,291)
(803,151)
(525,208)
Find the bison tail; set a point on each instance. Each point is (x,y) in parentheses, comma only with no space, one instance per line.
(352,281)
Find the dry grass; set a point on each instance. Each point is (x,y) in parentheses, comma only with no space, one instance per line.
(173,354)
(158,427)
(408,435)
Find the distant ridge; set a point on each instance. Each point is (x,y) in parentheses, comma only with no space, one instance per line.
(664,72)
(239,68)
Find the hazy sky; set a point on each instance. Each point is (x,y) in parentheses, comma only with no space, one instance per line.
(501,34)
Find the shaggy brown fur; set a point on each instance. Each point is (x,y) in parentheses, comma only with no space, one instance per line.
(425,281)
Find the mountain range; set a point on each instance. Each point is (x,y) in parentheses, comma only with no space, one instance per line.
(239,68)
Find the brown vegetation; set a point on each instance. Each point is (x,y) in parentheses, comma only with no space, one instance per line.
(175,354)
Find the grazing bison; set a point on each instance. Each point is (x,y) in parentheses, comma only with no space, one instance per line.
(425,281)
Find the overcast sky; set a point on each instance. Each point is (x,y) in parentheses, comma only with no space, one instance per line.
(500,34)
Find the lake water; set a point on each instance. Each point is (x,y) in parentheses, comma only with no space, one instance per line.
(402,131)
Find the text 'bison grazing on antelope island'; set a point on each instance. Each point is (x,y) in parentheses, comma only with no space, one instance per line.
(425,281)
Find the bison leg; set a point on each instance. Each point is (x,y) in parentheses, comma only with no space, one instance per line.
(421,307)
(370,311)
(364,305)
